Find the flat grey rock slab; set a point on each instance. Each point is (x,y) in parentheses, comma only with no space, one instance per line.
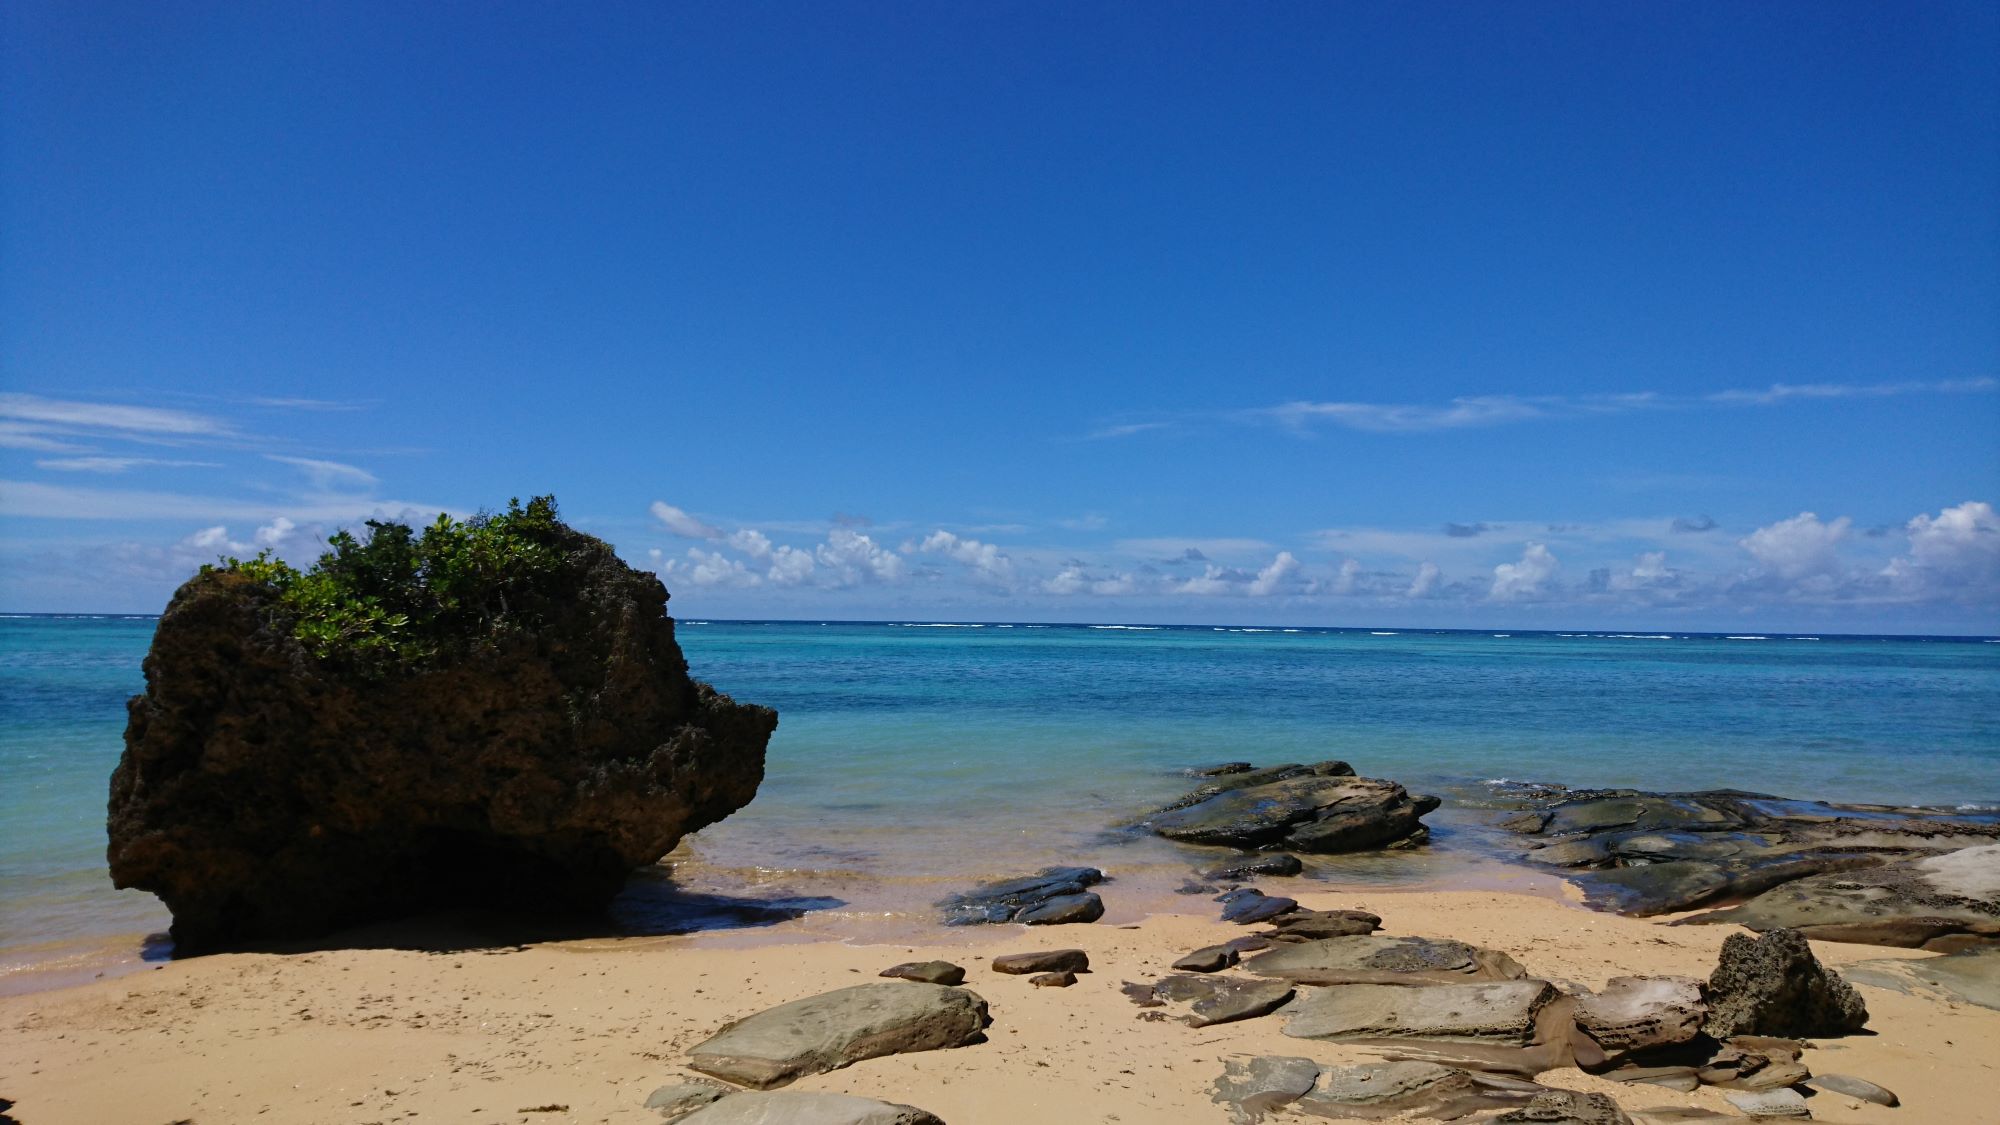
(1769,1103)
(840,1028)
(682,1098)
(1374,959)
(1971,976)
(1681,1078)
(1911,902)
(1641,1013)
(928,972)
(799,1108)
(1214,1000)
(1250,1088)
(1853,1087)
(1042,961)
(1315,925)
(1208,959)
(1504,1013)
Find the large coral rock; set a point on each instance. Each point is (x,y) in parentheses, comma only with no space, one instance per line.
(266,793)
(1773,985)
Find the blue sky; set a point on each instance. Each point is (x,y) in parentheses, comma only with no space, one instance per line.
(1669,315)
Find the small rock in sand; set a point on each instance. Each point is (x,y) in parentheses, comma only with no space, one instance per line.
(1250,906)
(1064,910)
(929,972)
(1223,999)
(1044,961)
(1854,1087)
(1246,869)
(839,1028)
(1312,925)
(1770,1103)
(1208,959)
(1053,980)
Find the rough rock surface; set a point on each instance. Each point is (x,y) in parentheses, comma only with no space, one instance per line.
(1642,1013)
(1373,959)
(799,1108)
(928,972)
(840,1028)
(1566,1107)
(1971,975)
(1755,1062)
(1506,1013)
(265,793)
(1321,808)
(1250,1088)
(1773,985)
(1243,870)
(1214,1000)
(1043,961)
(1917,902)
(1770,1103)
(682,1098)
(1008,899)
(1654,853)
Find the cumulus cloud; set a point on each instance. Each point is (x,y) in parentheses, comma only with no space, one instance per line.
(1348,578)
(1800,547)
(682,524)
(1527,578)
(1956,550)
(708,569)
(1427,581)
(985,559)
(790,566)
(1074,579)
(1280,576)
(854,558)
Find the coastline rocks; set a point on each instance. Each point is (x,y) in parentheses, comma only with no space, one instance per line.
(1208,959)
(1044,961)
(926,972)
(1923,901)
(1385,960)
(1755,1062)
(1008,899)
(1266,1084)
(1859,1089)
(1654,853)
(798,1108)
(1566,1107)
(1635,1014)
(1313,925)
(1971,976)
(840,1028)
(1321,808)
(1244,870)
(1063,910)
(1214,1000)
(1249,906)
(1251,1088)
(266,793)
(1504,1014)
(1773,985)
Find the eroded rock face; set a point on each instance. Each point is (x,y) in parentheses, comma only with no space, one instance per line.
(1654,853)
(839,1028)
(1213,1000)
(1923,901)
(1322,808)
(1372,959)
(1634,1014)
(265,793)
(1506,1013)
(1773,985)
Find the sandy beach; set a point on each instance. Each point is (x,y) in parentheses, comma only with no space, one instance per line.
(583,1030)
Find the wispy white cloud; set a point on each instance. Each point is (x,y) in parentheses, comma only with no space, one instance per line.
(118,417)
(327,475)
(38,500)
(682,524)
(117,464)
(1127,429)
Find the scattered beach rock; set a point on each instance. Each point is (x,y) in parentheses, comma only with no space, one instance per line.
(1505,1013)
(1053,980)
(1321,808)
(840,1028)
(1215,1000)
(683,1098)
(800,1108)
(1858,1088)
(1634,1014)
(1652,853)
(1372,959)
(1916,902)
(1312,925)
(1043,961)
(1064,910)
(1243,870)
(1566,1107)
(1971,976)
(1007,899)
(1208,959)
(1681,1078)
(929,972)
(1751,1062)
(1250,906)
(539,756)
(1769,1103)
(1773,985)
(1388,1089)
(1251,1088)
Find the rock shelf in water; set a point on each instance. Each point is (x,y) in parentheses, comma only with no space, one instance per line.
(1306,808)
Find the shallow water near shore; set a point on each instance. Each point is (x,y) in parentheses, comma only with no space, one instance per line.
(911,759)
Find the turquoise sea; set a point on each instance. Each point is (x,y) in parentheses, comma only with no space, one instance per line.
(914,757)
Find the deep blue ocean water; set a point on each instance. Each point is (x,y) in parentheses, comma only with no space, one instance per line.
(913,757)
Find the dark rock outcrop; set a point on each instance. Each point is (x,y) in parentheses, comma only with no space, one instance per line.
(1009,899)
(266,792)
(1312,925)
(1655,853)
(1043,961)
(1243,870)
(1773,985)
(1064,910)
(1214,1000)
(1249,906)
(926,972)
(1317,808)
